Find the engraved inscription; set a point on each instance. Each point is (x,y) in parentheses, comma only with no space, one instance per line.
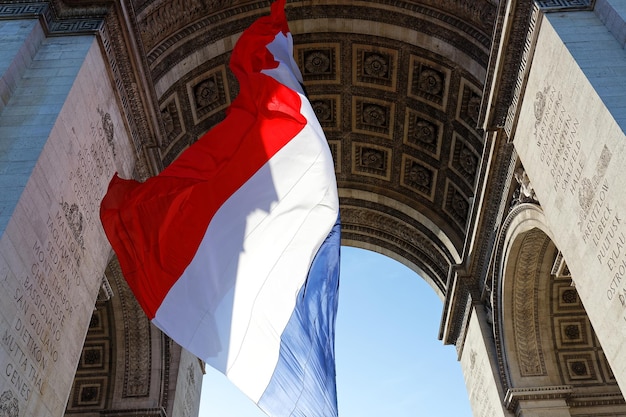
(479,395)
(556,135)
(44,308)
(94,163)
(46,284)
(599,221)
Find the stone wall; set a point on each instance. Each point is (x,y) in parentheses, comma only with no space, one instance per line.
(570,139)
(62,139)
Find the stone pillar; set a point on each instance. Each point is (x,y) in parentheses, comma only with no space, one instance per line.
(570,139)
(479,369)
(62,138)
(190,371)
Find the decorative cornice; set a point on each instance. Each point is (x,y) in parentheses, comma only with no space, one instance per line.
(53,23)
(104,19)
(594,400)
(566,392)
(515,36)
(526,54)
(510,37)
(489,214)
(564,5)
(515,395)
(134,412)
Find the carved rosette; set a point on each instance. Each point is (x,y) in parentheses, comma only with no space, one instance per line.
(428,81)
(318,63)
(371,160)
(418,177)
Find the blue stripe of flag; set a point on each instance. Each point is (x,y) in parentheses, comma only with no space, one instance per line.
(303,383)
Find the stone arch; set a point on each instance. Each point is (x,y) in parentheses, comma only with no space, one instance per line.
(548,354)
(527,258)
(387,226)
(424,140)
(397,88)
(127,365)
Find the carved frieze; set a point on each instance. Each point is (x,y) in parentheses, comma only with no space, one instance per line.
(54,24)
(137,339)
(124,77)
(162,18)
(556,5)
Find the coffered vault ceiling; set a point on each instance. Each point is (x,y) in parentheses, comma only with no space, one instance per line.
(396,85)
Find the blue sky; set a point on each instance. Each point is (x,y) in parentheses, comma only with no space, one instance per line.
(389,360)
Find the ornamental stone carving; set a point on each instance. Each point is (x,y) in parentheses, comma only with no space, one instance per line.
(9,406)
(525,192)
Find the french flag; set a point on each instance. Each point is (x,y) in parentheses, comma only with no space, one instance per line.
(233,250)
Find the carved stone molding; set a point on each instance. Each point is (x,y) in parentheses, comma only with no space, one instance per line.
(496,290)
(561,5)
(513,36)
(128,88)
(386,228)
(143,412)
(519,80)
(515,395)
(103,19)
(470,36)
(137,340)
(476,272)
(596,400)
(524,298)
(53,23)
(569,393)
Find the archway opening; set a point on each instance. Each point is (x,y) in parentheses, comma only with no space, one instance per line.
(389,360)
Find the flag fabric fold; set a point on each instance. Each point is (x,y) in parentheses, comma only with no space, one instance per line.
(233,250)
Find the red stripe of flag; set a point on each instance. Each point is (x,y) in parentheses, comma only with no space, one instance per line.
(155,227)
